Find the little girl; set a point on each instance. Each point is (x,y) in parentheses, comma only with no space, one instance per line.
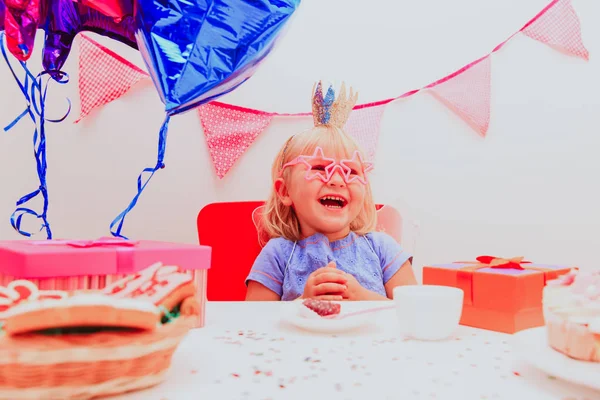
(320,219)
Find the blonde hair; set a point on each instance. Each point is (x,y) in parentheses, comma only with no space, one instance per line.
(279,220)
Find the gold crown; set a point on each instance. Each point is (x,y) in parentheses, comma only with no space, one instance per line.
(330,111)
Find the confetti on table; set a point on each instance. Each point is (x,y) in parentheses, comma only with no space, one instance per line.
(302,364)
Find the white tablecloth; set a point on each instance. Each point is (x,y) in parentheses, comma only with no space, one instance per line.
(245,351)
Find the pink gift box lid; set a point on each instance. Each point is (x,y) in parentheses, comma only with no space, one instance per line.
(106,256)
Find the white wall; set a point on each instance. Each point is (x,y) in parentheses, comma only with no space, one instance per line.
(530,188)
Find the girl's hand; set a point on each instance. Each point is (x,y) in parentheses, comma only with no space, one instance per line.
(354,289)
(326,283)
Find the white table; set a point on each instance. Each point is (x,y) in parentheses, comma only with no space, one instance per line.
(246,352)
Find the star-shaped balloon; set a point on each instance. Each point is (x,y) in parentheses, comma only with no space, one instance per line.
(116,9)
(196,51)
(2,11)
(21,19)
(66,18)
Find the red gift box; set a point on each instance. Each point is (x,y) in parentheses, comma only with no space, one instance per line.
(503,295)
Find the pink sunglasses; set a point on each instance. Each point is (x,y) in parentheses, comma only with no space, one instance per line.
(320,167)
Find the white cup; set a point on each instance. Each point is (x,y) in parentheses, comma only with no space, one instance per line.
(428,312)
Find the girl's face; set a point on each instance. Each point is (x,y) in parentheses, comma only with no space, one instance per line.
(327,193)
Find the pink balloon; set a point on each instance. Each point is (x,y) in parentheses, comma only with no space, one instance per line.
(20,24)
(116,9)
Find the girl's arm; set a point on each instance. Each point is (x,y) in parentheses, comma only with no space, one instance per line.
(404,276)
(259,292)
(265,280)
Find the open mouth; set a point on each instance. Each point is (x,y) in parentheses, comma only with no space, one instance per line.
(333,201)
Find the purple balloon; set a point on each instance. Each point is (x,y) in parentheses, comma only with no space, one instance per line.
(2,8)
(65,19)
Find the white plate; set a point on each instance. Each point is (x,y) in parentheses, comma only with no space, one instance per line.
(291,314)
(532,346)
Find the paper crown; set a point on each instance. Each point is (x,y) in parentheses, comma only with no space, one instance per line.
(331,111)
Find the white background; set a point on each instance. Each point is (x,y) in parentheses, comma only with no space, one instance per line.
(530,188)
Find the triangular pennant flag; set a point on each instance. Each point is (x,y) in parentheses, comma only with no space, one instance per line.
(558,26)
(104,76)
(467,94)
(229,132)
(364,125)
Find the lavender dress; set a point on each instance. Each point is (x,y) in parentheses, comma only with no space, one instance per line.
(283,266)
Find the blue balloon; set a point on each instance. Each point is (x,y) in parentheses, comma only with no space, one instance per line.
(199,50)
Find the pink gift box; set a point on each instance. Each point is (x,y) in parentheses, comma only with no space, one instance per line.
(94,264)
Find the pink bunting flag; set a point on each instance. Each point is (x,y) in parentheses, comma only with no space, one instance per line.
(364,125)
(467,93)
(104,76)
(230,131)
(558,26)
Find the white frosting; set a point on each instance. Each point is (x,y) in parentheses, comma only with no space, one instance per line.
(594,326)
(579,319)
(83,299)
(152,284)
(572,298)
(12,293)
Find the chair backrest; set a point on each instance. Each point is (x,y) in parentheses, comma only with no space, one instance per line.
(229,228)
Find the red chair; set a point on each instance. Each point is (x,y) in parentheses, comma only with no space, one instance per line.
(230,230)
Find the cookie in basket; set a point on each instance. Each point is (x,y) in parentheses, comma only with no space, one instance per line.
(165,286)
(78,366)
(28,309)
(84,362)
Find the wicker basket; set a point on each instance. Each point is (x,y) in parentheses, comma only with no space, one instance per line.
(67,367)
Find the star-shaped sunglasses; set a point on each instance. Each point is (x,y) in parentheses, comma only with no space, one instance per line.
(320,167)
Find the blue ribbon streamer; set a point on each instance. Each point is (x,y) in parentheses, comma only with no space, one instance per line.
(35,96)
(141,182)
